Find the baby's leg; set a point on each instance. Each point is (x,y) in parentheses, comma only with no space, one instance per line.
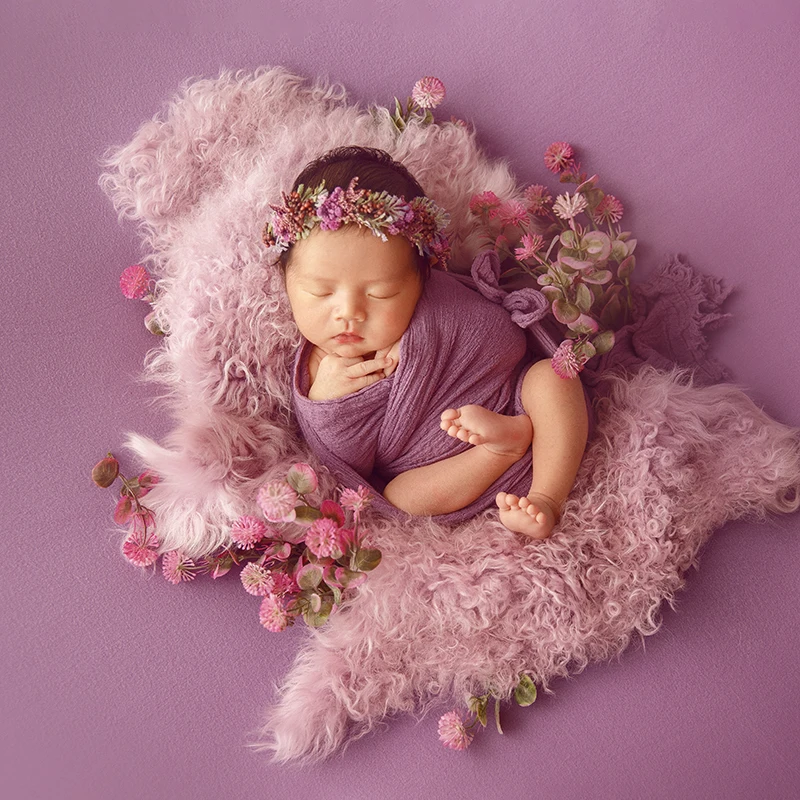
(557,410)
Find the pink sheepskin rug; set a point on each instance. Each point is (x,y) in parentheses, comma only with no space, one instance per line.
(450,610)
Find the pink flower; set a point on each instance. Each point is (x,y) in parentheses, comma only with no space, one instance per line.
(568,207)
(247,531)
(513,213)
(609,209)
(538,197)
(323,538)
(452,732)
(141,548)
(531,244)
(565,363)
(176,567)
(283,584)
(272,614)
(486,201)
(277,500)
(356,500)
(428,92)
(147,480)
(558,157)
(134,282)
(256,580)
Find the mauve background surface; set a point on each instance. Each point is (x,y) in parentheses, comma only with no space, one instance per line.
(121,686)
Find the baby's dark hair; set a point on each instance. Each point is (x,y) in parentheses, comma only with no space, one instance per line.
(376,171)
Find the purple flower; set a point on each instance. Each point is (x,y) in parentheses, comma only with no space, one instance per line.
(331,210)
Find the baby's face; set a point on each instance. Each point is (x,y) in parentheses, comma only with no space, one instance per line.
(351,293)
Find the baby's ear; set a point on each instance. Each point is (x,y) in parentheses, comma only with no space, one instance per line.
(182,153)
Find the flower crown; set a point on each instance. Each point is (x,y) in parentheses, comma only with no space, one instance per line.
(421,221)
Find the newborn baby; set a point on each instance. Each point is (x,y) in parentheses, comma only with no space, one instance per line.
(356,290)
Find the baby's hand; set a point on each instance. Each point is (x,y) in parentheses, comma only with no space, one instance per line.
(393,352)
(337,376)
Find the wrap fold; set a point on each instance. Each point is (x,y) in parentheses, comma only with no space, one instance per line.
(460,348)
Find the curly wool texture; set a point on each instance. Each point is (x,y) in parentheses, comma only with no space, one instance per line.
(449,610)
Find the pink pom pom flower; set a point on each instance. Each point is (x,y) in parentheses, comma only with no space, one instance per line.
(277,500)
(428,92)
(176,567)
(247,531)
(273,615)
(565,363)
(134,282)
(323,538)
(452,732)
(559,156)
(257,580)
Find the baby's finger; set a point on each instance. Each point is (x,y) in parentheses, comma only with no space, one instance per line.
(363,368)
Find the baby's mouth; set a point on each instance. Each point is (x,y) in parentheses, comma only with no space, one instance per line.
(349,338)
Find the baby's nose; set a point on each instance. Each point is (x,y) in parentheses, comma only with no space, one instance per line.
(351,309)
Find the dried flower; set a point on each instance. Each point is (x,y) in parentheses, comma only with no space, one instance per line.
(565,363)
(609,210)
(272,614)
(134,282)
(356,500)
(568,207)
(176,567)
(558,157)
(323,538)
(257,580)
(277,500)
(531,244)
(428,92)
(247,531)
(452,732)
(513,213)
(141,548)
(283,584)
(538,197)
(486,201)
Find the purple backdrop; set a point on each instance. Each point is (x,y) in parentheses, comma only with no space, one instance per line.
(119,685)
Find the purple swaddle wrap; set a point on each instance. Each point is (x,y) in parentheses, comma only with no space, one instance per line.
(459,348)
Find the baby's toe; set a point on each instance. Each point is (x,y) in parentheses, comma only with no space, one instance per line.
(502,501)
(450,413)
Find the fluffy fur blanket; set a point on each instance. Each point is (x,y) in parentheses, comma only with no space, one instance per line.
(450,610)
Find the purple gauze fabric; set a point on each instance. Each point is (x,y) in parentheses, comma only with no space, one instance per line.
(670,313)
(458,349)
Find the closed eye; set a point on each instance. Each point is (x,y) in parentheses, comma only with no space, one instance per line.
(326,294)
(383,297)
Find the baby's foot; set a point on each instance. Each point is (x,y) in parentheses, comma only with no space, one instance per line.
(508,436)
(533,516)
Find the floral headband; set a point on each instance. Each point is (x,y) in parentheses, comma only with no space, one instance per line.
(421,221)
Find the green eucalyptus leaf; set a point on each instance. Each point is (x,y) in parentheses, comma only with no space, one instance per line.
(309,576)
(619,251)
(626,268)
(497,715)
(307,514)
(603,342)
(584,297)
(366,559)
(525,693)
(565,311)
(568,238)
(481,712)
(624,236)
(611,314)
(600,276)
